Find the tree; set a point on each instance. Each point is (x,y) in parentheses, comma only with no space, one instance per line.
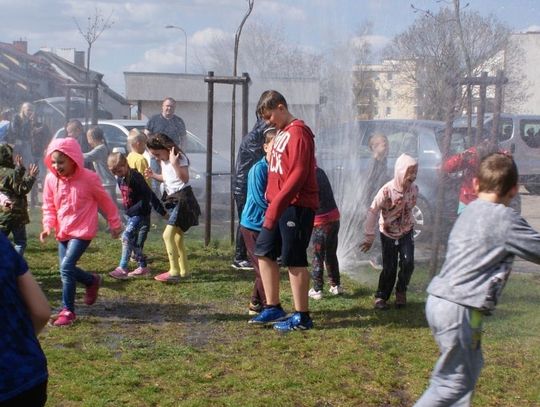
(442,47)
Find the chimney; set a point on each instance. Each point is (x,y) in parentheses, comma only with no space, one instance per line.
(79,59)
(21,45)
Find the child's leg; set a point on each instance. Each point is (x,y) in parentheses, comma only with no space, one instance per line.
(406,262)
(19,238)
(182,254)
(250,238)
(387,279)
(69,253)
(129,238)
(270,278)
(141,237)
(331,260)
(299,278)
(318,241)
(172,250)
(455,374)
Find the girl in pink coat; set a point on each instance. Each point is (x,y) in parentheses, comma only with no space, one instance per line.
(71,197)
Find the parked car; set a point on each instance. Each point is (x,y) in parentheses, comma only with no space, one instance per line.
(116,132)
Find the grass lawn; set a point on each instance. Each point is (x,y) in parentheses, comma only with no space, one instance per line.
(148,344)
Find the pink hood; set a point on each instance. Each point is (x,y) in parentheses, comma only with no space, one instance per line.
(403,162)
(68,146)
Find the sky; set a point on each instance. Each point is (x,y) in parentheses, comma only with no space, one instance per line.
(138,41)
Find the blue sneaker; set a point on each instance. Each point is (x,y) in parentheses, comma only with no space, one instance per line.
(269,316)
(294,323)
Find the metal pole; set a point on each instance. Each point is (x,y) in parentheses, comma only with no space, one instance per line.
(481,108)
(185,44)
(209,149)
(500,80)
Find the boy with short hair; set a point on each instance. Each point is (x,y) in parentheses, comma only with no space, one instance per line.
(136,159)
(481,249)
(292,195)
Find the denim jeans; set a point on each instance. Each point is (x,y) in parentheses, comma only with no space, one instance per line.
(133,240)
(19,237)
(69,253)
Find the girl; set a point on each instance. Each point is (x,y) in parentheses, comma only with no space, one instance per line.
(71,196)
(137,198)
(97,156)
(179,199)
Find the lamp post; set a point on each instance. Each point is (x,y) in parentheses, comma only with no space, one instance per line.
(185,46)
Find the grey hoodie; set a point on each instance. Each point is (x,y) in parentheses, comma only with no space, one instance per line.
(481,249)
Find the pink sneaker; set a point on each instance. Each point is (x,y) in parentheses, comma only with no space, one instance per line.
(91,294)
(119,273)
(139,272)
(167,278)
(65,318)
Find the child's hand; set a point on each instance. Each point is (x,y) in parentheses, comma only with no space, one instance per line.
(116,232)
(173,156)
(33,170)
(148,173)
(43,235)
(365,246)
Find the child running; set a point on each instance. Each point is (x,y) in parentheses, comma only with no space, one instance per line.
(71,197)
(252,217)
(138,199)
(179,199)
(481,249)
(325,240)
(394,201)
(15,184)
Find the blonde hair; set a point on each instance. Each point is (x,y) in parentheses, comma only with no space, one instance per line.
(116,159)
(375,137)
(136,136)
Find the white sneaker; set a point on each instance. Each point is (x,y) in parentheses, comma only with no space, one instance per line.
(336,290)
(316,295)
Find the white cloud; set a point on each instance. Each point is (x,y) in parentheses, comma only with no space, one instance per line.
(277,9)
(531,28)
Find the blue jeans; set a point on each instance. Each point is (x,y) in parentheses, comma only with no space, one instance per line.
(133,240)
(19,237)
(69,253)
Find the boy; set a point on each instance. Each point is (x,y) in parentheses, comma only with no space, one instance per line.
(136,160)
(481,249)
(395,200)
(292,196)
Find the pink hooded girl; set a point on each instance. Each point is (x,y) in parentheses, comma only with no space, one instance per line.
(71,197)
(393,206)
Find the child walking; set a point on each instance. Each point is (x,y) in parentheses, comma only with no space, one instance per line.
(138,200)
(324,239)
(15,184)
(137,146)
(394,201)
(252,217)
(481,249)
(179,199)
(71,197)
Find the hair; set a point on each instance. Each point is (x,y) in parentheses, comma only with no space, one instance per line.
(135,135)
(170,99)
(96,133)
(269,134)
(376,136)
(116,159)
(25,104)
(497,173)
(75,123)
(270,99)
(160,141)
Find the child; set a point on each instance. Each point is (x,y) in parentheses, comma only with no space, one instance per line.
(15,183)
(71,197)
(252,217)
(25,311)
(183,206)
(325,240)
(292,196)
(395,201)
(98,157)
(137,145)
(481,249)
(138,199)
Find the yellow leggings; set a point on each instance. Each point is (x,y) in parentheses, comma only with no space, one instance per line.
(174,243)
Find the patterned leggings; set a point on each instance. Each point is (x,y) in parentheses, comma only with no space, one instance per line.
(325,241)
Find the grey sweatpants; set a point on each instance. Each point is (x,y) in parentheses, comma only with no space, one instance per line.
(457,331)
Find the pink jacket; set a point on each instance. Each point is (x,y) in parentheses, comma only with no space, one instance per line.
(394,204)
(70,204)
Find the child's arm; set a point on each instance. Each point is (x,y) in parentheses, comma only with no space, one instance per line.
(148,173)
(370,223)
(106,204)
(36,303)
(257,184)
(48,209)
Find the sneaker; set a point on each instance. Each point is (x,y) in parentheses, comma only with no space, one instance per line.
(255,308)
(401,299)
(269,315)
(119,273)
(380,304)
(167,278)
(65,318)
(336,290)
(294,323)
(315,294)
(375,263)
(91,294)
(242,265)
(139,272)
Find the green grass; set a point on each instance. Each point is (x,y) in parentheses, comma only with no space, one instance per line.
(148,344)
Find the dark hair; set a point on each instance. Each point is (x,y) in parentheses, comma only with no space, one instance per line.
(269,134)
(270,99)
(160,141)
(96,133)
(497,173)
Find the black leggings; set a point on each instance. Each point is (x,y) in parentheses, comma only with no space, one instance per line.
(392,250)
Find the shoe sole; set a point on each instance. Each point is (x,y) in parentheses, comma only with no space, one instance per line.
(269,323)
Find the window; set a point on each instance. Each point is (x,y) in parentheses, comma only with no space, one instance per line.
(403,142)
(506,130)
(530,132)
(388,111)
(389,94)
(389,76)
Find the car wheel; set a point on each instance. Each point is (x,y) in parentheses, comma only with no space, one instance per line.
(422,219)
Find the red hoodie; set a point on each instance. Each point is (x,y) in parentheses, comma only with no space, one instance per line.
(291,172)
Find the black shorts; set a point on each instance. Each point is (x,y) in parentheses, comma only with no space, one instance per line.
(289,238)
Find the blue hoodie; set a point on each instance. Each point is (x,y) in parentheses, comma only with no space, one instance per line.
(256,204)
